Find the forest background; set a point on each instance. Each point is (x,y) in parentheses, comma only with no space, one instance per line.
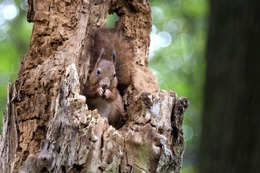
(177,56)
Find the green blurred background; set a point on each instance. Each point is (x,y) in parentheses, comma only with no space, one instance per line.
(176,56)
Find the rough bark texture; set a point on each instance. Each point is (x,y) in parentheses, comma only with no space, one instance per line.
(48,127)
(231,131)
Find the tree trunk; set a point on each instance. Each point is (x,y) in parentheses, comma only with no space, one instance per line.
(47,125)
(231,132)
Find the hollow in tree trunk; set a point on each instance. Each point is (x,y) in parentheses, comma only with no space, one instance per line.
(47,125)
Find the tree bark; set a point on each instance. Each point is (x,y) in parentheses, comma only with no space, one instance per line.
(47,125)
(231,132)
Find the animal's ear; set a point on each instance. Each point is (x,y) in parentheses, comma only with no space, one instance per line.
(113,58)
(101,56)
(102,52)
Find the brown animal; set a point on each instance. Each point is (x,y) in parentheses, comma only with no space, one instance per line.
(111,70)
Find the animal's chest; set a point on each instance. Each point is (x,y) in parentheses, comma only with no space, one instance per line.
(104,107)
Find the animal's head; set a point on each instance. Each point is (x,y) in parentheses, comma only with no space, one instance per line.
(104,72)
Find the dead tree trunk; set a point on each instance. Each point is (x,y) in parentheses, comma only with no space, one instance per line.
(47,125)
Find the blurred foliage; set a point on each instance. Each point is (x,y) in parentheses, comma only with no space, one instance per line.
(176,57)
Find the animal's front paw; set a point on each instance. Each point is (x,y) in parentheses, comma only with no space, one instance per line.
(100,91)
(107,93)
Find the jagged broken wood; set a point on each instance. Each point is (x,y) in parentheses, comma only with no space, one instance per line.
(81,140)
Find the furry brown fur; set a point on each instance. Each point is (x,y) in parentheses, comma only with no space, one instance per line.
(112,40)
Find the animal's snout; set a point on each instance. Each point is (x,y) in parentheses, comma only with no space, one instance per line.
(104,83)
(104,86)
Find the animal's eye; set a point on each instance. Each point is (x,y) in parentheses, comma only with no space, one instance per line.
(98,71)
(114,75)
